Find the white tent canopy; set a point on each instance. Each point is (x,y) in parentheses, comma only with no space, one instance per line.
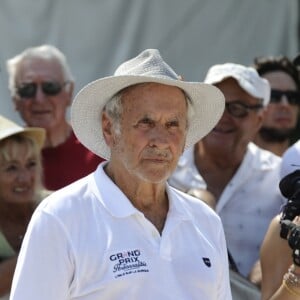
(192,35)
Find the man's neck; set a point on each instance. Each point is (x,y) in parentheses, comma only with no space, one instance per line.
(149,198)
(216,170)
(57,136)
(277,148)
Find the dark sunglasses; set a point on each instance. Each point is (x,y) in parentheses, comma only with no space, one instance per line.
(49,88)
(293,97)
(238,109)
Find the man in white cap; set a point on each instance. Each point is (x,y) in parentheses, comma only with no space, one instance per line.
(243,178)
(122,232)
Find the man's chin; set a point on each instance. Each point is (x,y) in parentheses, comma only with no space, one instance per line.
(269,134)
(156,176)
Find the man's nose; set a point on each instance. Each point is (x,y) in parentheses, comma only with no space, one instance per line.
(40,95)
(284,100)
(159,136)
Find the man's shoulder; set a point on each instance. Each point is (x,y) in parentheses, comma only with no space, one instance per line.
(70,198)
(294,149)
(67,152)
(71,143)
(193,205)
(263,157)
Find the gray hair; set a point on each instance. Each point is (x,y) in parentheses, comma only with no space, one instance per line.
(114,110)
(46,52)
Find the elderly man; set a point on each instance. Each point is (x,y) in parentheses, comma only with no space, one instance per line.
(242,177)
(123,232)
(41,86)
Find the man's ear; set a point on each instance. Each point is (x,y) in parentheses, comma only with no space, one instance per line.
(69,91)
(107,129)
(15,103)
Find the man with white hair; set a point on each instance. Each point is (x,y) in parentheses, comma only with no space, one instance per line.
(242,177)
(41,86)
(123,232)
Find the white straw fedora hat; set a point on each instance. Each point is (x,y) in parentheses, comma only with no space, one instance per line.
(148,66)
(9,128)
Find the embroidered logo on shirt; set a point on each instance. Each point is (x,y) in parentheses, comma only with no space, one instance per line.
(128,262)
(207,262)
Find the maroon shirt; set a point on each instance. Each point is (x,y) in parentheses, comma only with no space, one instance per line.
(67,162)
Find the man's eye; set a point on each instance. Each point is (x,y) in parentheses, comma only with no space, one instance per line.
(172,124)
(146,122)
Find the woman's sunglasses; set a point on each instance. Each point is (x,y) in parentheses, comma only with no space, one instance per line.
(293,97)
(49,88)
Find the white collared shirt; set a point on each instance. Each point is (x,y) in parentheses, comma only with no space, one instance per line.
(248,203)
(88,242)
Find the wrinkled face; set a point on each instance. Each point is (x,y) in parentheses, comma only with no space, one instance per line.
(41,108)
(18,175)
(281,115)
(232,135)
(153,132)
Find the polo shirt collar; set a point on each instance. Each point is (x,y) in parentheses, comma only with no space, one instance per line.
(119,206)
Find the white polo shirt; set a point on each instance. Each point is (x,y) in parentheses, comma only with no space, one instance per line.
(87,241)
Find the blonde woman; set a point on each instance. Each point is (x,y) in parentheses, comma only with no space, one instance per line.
(20,191)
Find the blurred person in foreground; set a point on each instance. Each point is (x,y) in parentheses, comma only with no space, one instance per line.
(242,177)
(275,254)
(20,191)
(41,86)
(123,232)
(280,276)
(281,116)
(280,251)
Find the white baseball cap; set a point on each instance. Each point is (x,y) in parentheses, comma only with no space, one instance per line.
(247,77)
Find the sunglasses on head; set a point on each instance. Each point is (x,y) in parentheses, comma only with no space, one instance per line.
(49,88)
(239,109)
(293,97)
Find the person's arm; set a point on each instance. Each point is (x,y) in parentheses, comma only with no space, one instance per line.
(275,257)
(45,267)
(7,268)
(290,287)
(255,275)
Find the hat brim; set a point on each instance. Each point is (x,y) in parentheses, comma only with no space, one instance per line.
(208,102)
(36,133)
